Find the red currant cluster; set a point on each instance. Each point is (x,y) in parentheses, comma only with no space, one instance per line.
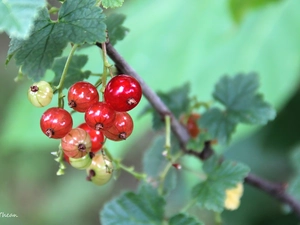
(103,119)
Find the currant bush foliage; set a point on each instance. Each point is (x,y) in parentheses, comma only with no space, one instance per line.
(243,104)
(78,22)
(210,193)
(144,207)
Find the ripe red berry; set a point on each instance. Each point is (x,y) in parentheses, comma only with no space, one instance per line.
(100,116)
(77,143)
(56,122)
(123,93)
(97,137)
(82,95)
(121,129)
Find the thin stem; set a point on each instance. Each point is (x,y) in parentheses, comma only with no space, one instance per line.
(63,76)
(165,171)
(130,170)
(168,135)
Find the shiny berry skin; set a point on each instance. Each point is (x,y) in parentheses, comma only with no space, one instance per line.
(40,94)
(100,171)
(56,122)
(97,137)
(123,93)
(77,143)
(100,116)
(192,125)
(82,95)
(121,129)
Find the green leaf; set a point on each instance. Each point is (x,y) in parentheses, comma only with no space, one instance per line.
(236,93)
(210,193)
(78,22)
(153,156)
(74,73)
(145,208)
(261,112)
(219,124)
(240,7)
(242,105)
(16,17)
(180,219)
(112,3)
(116,31)
(177,100)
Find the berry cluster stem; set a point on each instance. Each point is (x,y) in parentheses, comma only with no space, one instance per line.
(164,173)
(63,76)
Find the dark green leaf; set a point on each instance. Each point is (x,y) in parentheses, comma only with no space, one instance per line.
(112,3)
(177,101)
(183,219)
(16,17)
(116,31)
(144,208)
(242,105)
(154,163)
(260,112)
(74,73)
(236,93)
(210,193)
(78,22)
(220,125)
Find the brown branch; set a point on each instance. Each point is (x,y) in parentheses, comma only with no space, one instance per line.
(277,191)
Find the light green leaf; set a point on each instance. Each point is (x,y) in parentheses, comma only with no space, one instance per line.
(183,219)
(112,3)
(48,38)
(220,125)
(74,73)
(144,208)
(116,31)
(153,156)
(16,17)
(210,193)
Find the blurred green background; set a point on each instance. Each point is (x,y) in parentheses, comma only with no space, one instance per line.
(170,42)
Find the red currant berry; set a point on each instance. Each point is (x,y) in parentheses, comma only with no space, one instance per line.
(123,93)
(100,171)
(192,125)
(121,129)
(100,116)
(97,137)
(56,122)
(82,95)
(40,94)
(77,143)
